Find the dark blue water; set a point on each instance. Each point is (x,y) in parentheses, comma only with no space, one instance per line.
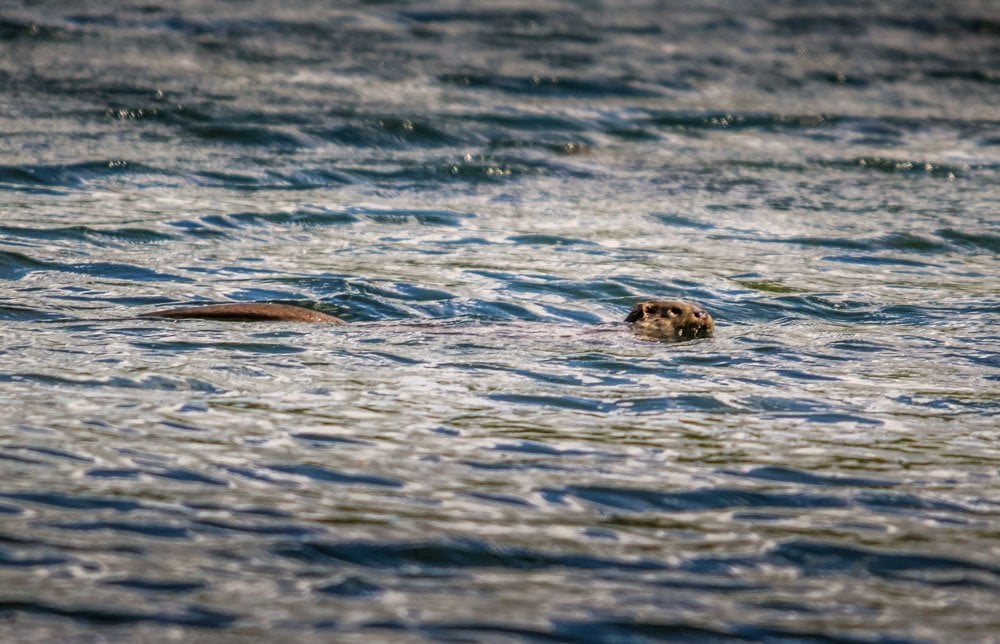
(483,190)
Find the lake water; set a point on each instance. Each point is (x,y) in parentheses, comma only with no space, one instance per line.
(486,453)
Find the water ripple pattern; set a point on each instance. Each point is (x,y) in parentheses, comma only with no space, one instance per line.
(482,191)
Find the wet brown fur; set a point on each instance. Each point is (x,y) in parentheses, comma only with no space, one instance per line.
(670,320)
(251,312)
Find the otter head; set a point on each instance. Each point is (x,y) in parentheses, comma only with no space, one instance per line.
(670,320)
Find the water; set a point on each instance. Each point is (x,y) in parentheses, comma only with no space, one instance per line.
(485,453)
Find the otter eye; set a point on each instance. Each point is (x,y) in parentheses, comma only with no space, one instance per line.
(675,310)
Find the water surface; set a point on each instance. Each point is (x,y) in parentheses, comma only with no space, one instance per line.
(483,190)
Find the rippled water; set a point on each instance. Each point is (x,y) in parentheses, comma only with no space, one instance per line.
(483,190)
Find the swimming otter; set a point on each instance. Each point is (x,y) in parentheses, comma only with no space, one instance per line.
(670,320)
(657,319)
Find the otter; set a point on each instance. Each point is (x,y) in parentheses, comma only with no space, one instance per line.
(655,319)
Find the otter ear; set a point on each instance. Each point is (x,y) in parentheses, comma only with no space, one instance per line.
(635,314)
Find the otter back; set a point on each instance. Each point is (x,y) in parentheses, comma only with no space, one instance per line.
(247,313)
